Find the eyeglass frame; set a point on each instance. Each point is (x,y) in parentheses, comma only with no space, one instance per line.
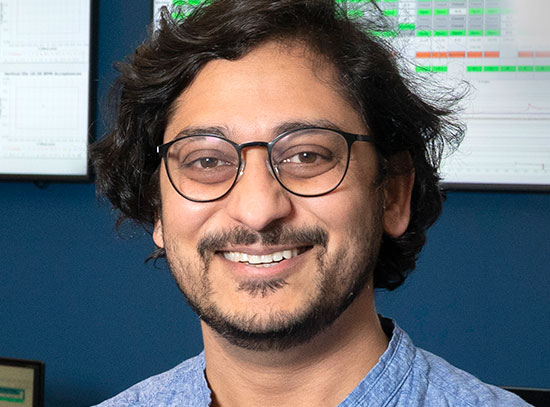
(350,138)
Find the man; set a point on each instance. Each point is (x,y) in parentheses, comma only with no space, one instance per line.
(286,169)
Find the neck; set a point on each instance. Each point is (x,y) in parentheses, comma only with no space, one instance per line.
(305,375)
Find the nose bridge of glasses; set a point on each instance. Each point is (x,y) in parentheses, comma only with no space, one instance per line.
(249,144)
(253,144)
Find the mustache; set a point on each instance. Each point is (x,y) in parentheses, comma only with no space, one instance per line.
(275,235)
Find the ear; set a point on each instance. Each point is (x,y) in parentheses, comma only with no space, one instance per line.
(397,194)
(158,235)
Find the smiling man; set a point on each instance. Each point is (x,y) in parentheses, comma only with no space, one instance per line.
(286,169)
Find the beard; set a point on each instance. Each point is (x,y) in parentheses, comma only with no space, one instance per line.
(339,279)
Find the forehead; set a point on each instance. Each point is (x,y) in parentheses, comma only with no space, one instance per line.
(272,84)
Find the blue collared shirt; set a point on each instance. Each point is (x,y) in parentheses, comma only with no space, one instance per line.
(405,376)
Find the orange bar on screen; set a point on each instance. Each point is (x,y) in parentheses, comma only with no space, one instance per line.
(526,54)
(492,54)
(457,54)
(423,54)
(475,54)
(439,55)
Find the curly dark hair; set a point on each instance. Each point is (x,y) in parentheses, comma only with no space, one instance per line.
(396,114)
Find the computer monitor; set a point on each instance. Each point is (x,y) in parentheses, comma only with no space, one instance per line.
(21,383)
(45,89)
(500,47)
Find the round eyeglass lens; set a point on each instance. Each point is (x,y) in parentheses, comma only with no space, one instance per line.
(202,168)
(310,162)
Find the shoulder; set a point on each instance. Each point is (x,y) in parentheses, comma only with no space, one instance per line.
(183,385)
(406,376)
(446,385)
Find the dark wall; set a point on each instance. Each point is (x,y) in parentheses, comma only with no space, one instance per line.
(80,298)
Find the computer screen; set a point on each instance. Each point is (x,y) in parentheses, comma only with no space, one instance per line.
(44,88)
(502,49)
(21,383)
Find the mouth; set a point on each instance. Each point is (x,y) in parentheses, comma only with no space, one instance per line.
(264,260)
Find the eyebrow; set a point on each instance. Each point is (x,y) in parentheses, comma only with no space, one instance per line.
(304,124)
(222,131)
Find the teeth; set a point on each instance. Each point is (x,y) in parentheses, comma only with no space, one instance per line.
(253,259)
(264,259)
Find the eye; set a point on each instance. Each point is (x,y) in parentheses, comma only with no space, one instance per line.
(196,162)
(206,167)
(206,162)
(304,157)
(303,161)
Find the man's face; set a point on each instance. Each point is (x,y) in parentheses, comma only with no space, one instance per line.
(332,240)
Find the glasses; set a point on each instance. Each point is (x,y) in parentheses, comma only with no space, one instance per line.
(306,162)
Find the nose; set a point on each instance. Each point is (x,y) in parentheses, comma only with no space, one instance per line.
(258,200)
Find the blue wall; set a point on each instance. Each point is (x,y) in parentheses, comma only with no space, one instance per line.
(80,298)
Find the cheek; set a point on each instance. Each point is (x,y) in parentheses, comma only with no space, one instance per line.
(353,208)
(181,218)
(342,212)
(333,210)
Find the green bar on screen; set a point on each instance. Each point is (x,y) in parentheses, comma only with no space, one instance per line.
(423,69)
(508,68)
(474,69)
(407,26)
